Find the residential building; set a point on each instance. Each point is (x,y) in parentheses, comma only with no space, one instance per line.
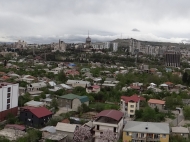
(61,46)
(35,116)
(130,104)
(154,103)
(180,131)
(49,133)
(35,86)
(9,94)
(33,103)
(172,58)
(115,46)
(75,83)
(93,89)
(136,131)
(20,44)
(108,120)
(65,128)
(72,101)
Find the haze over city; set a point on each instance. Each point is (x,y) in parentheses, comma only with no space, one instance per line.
(45,21)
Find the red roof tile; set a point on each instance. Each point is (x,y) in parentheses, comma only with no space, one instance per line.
(168,83)
(65,121)
(38,111)
(155,101)
(114,114)
(134,98)
(96,86)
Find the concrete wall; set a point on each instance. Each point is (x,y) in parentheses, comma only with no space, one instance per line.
(75,104)
(160,107)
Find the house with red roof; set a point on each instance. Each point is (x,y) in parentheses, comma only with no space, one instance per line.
(35,116)
(108,120)
(93,89)
(153,103)
(130,104)
(170,85)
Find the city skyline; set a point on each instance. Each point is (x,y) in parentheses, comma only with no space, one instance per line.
(47,21)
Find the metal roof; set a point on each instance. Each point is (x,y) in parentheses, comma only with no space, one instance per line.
(73,96)
(65,127)
(180,130)
(114,114)
(147,127)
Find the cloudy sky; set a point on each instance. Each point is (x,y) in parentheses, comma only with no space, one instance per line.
(45,21)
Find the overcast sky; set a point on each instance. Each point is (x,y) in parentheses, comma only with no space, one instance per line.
(45,21)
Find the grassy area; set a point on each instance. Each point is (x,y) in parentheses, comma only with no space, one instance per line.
(102,106)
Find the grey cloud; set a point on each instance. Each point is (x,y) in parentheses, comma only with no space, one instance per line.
(135,30)
(167,19)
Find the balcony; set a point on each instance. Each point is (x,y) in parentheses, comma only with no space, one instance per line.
(153,139)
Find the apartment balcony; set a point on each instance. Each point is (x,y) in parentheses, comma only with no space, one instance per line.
(151,139)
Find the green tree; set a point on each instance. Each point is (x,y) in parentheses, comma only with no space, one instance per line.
(187,112)
(185,77)
(43,95)
(11,119)
(62,77)
(138,113)
(148,114)
(3,139)
(54,104)
(37,98)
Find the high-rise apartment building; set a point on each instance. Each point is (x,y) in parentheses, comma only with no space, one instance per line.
(172,58)
(8,99)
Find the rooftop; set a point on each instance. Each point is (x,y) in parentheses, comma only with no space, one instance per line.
(65,127)
(147,127)
(155,101)
(73,96)
(38,111)
(134,98)
(114,114)
(180,130)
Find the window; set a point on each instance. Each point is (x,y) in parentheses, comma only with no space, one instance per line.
(8,95)
(97,127)
(8,106)
(127,133)
(114,129)
(132,106)
(8,101)
(9,89)
(25,114)
(164,136)
(131,111)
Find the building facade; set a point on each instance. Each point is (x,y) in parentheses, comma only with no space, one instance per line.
(130,104)
(111,120)
(9,94)
(35,116)
(172,58)
(136,131)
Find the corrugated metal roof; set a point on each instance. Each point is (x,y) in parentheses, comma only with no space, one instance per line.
(114,114)
(147,127)
(73,96)
(65,127)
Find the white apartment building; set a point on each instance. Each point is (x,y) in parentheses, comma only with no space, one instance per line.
(9,94)
(130,104)
(111,120)
(115,47)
